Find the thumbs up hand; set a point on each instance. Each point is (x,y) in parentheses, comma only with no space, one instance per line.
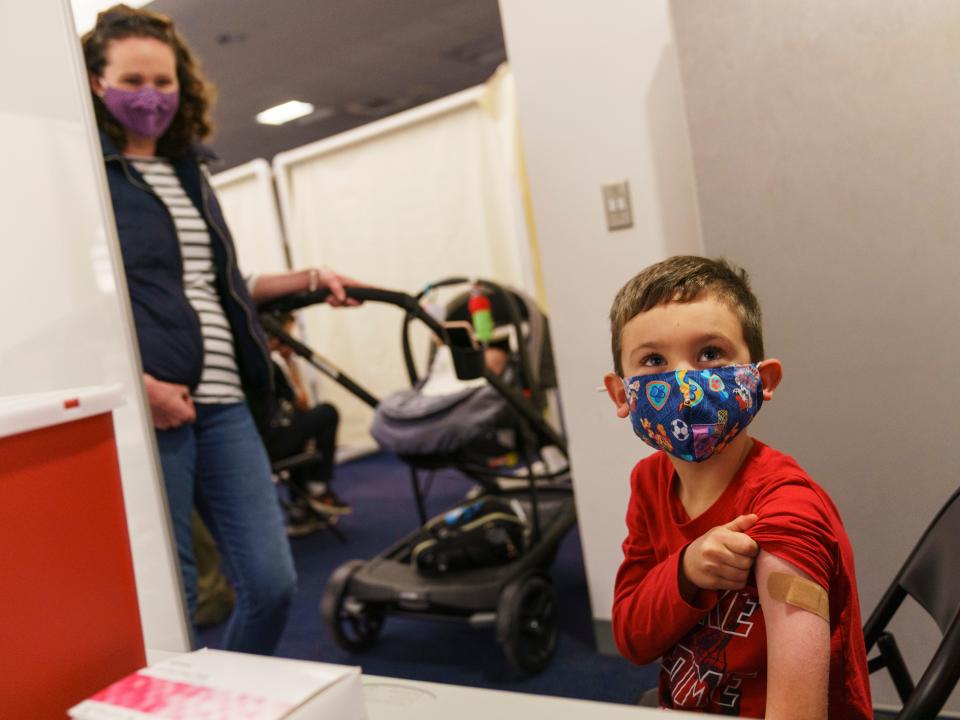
(720,559)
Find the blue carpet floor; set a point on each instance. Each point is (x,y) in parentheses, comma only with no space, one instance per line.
(378,487)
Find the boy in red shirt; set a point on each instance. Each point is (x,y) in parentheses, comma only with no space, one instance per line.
(737,571)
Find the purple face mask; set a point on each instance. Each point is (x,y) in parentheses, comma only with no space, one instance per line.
(146,112)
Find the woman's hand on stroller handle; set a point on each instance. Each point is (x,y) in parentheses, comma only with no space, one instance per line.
(357,293)
(325,278)
(270,290)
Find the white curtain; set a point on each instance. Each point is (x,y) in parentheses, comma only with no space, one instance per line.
(399,203)
(249,205)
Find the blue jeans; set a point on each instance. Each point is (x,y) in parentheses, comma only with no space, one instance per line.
(218,464)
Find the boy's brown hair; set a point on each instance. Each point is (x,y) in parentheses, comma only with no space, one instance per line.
(682,278)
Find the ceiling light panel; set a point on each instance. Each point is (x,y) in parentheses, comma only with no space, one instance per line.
(284,113)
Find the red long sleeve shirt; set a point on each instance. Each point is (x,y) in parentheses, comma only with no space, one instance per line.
(713,654)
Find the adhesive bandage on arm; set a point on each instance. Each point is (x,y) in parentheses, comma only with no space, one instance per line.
(799,592)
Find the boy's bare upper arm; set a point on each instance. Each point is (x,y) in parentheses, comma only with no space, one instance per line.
(798,648)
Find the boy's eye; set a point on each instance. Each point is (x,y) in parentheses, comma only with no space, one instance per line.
(711,354)
(653,360)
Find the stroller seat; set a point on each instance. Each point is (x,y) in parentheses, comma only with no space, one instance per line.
(441,414)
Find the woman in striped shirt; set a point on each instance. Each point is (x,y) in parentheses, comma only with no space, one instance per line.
(206,369)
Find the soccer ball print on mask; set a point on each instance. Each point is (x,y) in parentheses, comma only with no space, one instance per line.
(691,414)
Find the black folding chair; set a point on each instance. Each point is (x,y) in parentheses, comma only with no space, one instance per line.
(930,576)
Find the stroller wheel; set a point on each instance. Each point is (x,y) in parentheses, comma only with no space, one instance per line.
(527,623)
(353,624)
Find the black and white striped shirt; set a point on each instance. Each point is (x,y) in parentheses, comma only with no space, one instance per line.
(220,381)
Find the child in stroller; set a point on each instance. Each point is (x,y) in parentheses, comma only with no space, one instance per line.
(301,429)
(470,420)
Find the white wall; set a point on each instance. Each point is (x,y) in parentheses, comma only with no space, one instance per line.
(599,100)
(66,320)
(827,153)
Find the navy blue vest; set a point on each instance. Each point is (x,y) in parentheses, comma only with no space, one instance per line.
(168,329)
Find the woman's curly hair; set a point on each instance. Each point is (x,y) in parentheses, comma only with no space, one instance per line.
(191,123)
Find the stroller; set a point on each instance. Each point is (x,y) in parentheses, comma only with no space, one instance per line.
(485,560)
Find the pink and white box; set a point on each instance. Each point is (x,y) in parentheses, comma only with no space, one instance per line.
(220,685)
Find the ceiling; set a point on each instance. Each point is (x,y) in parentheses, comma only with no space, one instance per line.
(362,59)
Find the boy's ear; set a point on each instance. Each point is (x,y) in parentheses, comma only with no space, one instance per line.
(617,393)
(771,373)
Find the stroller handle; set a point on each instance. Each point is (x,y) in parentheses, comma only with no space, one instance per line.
(413,308)
(295,301)
(402,300)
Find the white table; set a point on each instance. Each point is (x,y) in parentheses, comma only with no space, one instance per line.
(396,699)
(389,698)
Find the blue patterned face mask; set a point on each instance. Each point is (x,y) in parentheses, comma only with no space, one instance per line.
(691,414)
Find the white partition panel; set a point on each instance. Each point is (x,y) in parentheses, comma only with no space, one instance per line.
(249,203)
(399,203)
(66,317)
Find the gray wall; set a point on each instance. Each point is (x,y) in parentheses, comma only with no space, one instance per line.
(826,146)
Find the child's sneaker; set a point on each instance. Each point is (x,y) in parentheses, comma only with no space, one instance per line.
(299,528)
(302,520)
(329,504)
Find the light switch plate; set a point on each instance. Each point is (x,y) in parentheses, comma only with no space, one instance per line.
(616,204)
